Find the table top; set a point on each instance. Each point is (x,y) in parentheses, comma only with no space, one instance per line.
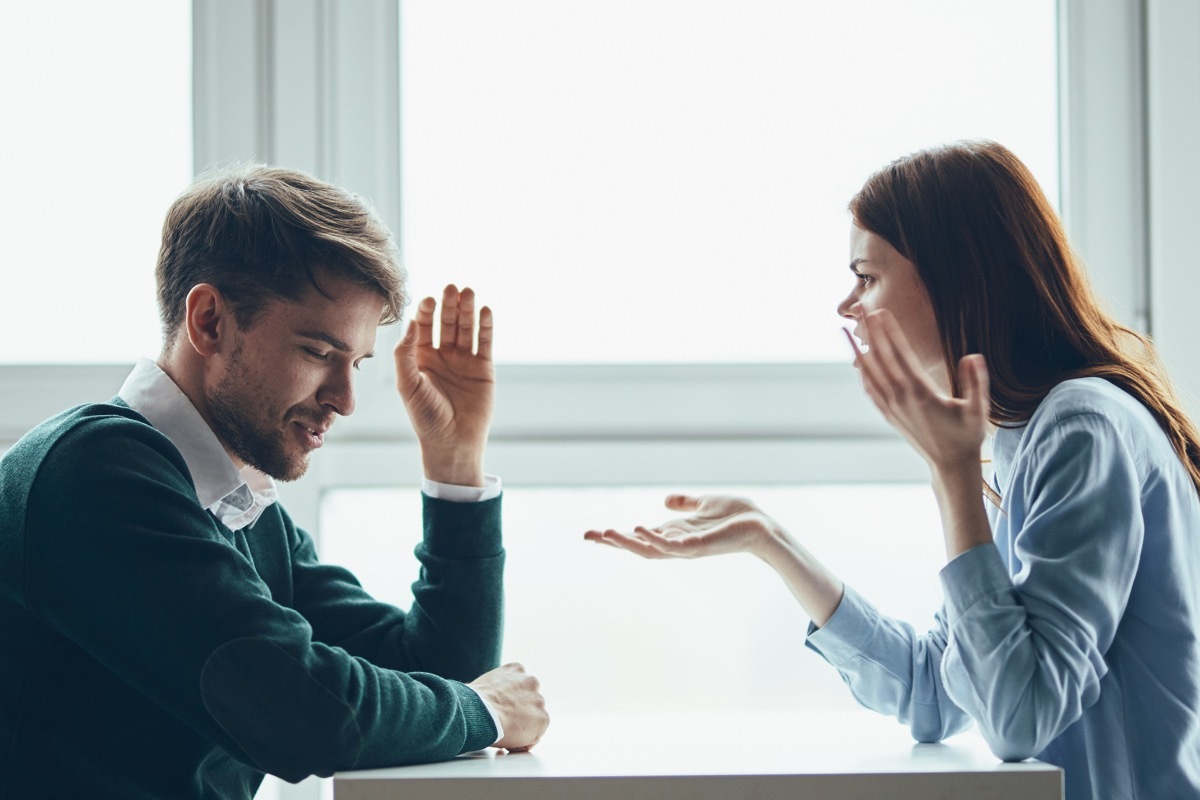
(862,752)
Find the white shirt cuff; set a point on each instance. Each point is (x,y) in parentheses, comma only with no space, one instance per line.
(462,494)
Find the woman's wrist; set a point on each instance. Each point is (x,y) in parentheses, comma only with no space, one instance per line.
(959,492)
(818,590)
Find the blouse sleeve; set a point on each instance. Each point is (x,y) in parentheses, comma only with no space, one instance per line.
(889,668)
(1026,646)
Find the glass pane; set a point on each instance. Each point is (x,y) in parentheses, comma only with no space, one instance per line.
(592,622)
(652,180)
(97,142)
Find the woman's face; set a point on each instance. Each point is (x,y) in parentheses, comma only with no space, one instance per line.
(885,279)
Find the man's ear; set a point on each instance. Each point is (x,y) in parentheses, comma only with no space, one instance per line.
(207,319)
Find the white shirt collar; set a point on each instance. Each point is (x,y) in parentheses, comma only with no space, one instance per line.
(235,497)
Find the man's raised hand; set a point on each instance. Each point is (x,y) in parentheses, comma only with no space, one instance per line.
(449,389)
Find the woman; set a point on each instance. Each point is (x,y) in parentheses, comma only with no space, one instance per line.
(1071,599)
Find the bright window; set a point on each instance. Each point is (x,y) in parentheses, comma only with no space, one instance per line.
(661,181)
(96,143)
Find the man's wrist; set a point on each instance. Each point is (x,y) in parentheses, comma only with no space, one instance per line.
(461,469)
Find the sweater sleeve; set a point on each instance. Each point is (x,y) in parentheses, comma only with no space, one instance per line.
(1027,644)
(122,560)
(889,667)
(455,625)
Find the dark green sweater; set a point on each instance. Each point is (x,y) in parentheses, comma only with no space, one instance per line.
(147,651)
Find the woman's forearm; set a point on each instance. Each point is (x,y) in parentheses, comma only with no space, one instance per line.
(818,590)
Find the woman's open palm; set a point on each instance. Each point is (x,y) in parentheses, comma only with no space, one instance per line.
(717,524)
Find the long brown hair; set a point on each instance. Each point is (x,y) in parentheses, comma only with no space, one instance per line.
(1004,282)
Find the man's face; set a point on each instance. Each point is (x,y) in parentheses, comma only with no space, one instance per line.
(289,374)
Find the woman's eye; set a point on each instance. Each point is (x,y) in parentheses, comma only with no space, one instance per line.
(863,279)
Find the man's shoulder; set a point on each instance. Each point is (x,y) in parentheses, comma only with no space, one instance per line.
(59,461)
(109,418)
(99,433)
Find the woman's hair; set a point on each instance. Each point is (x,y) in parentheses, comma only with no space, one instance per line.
(1004,282)
(261,233)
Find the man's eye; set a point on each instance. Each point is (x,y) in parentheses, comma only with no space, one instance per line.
(317,354)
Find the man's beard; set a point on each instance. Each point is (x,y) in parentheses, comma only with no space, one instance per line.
(231,407)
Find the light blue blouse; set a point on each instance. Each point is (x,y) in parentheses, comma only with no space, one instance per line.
(1075,637)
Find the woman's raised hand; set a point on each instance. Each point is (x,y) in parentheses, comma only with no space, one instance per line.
(947,431)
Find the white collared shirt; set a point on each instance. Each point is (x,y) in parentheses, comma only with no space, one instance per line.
(236,497)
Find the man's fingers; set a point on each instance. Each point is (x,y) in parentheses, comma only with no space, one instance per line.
(450,298)
(486,328)
(466,320)
(424,322)
(406,357)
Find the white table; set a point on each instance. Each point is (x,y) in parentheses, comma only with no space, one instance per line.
(793,755)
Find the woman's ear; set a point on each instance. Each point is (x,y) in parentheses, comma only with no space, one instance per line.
(206,318)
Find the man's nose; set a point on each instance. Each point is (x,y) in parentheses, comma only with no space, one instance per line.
(337,393)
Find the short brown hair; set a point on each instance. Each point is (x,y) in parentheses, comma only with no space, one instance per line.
(260,233)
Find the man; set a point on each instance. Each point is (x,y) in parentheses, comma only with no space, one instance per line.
(165,629)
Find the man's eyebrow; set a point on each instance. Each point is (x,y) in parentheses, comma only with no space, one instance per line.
(331,340)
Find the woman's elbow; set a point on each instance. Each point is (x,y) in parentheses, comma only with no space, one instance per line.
(933,726)
(1014,743)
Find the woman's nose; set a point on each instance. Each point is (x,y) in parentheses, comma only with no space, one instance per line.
(849,308)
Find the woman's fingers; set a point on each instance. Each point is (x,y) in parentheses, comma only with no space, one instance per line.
(682,502)
(625,542)
(973,371)
(871,376)
(898,366)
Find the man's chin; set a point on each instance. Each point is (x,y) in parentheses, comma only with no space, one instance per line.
(294,470)
(294,473)
(282,469)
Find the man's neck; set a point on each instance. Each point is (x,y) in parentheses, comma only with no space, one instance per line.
(186,369)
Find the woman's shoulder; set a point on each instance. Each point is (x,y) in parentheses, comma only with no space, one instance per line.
(1096,406)
(1091,396)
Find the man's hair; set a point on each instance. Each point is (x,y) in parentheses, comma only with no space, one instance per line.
(1004,281)
(260,233)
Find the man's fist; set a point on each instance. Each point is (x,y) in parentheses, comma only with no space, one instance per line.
(513,694)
